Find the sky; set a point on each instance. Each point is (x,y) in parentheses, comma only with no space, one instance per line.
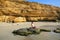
(50,2)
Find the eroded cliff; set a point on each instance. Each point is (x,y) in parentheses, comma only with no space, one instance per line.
(20,11)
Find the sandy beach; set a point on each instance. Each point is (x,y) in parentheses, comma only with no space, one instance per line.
(7,28)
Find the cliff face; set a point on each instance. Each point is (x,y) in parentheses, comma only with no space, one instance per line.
(29,10)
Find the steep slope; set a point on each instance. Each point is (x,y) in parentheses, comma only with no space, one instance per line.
(28,10)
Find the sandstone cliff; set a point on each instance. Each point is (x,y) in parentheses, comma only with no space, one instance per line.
(13,10)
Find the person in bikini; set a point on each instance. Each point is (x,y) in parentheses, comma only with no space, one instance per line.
(32,25)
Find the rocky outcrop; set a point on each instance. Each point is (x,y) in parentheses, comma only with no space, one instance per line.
(7,18)
(20,19)
(29,10)
(12,19)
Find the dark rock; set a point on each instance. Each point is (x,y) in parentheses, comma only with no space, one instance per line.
(26,31)
(56,31)
(29,31)
(45,30)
